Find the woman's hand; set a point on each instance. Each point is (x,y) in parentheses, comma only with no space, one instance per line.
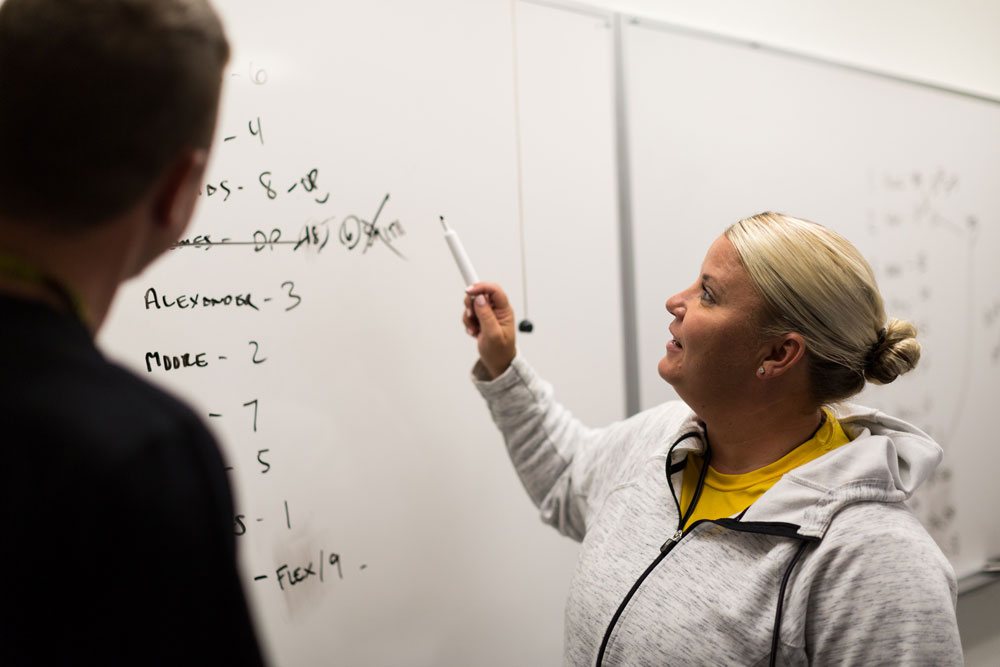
(489,318)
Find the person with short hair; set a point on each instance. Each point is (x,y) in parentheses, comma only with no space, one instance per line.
(760,519)
(116,511)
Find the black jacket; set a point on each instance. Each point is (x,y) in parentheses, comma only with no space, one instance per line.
(115,512)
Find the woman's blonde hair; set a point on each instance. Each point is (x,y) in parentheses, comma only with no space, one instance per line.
(815,283)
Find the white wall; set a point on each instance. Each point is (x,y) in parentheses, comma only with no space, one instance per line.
(952,43)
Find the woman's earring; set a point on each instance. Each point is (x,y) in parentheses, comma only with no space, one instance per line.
(760,371)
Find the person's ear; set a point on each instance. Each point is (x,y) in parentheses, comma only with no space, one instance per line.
(781,355)
(178,191)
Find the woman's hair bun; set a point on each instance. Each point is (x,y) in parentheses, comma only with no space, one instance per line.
(898,353)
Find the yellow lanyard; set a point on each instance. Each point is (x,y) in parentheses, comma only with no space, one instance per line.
(17,269)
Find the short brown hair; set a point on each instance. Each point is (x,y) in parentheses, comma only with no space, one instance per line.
(97,97)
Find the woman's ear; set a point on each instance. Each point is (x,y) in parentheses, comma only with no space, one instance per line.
(783,354)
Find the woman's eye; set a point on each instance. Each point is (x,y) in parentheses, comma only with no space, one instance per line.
(706,296)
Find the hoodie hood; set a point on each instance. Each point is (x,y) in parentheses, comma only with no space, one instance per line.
(886,460)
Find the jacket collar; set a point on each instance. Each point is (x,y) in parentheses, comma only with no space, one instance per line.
(886,460)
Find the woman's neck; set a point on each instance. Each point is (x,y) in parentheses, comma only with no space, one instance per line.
(744,442)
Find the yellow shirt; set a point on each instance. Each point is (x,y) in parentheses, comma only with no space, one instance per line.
(727,495)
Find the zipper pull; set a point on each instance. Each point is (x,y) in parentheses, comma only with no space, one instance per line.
(672,540)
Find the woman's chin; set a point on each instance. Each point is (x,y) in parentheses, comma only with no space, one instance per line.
(667,370)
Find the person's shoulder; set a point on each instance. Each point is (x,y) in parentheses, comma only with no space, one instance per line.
(98,448)
(886,540)
(870,517)
(56,384)
(141,397)
(137,405)
(81,408)
(148,425)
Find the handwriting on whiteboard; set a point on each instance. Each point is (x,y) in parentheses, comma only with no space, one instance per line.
(173,360)
(354,232)
(925,236)
(160,300)
(287,575)
(262,199)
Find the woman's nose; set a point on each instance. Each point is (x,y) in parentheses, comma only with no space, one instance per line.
(675,305)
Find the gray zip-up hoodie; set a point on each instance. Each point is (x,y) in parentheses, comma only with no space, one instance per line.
(828,567)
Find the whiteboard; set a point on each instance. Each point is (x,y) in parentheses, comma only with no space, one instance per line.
(720,131)
(379,521)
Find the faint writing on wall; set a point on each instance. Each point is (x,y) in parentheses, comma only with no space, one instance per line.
(923,239)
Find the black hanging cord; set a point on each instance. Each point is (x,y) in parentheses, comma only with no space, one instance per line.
(669,468)
(776,635)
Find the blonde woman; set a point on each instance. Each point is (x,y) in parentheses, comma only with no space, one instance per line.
(759,520)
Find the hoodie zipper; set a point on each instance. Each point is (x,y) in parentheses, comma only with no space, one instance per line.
(778,529)
(665,549)
(672,540)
